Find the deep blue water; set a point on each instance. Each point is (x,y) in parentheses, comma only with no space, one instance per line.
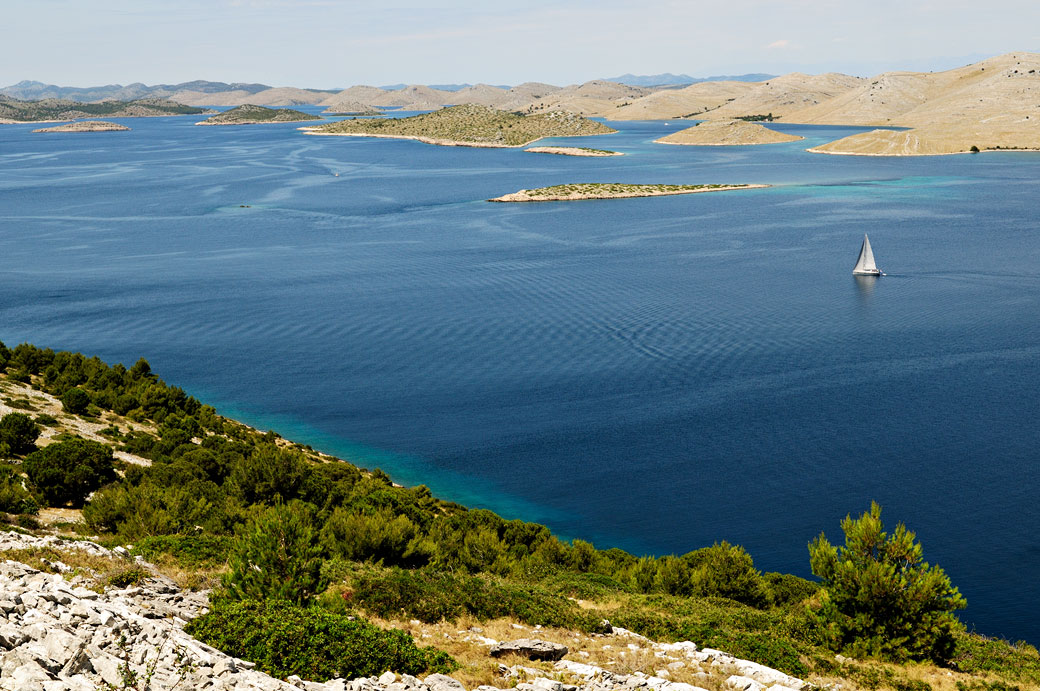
(654,374)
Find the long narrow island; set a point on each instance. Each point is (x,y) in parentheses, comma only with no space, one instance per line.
(610,190)
(468,125)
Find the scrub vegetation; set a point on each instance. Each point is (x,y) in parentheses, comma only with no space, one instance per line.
(472,124)
(305,549)
(62,109)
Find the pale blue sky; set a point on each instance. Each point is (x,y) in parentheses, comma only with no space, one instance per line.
(338,43)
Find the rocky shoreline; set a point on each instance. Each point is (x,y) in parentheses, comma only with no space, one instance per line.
(57,634)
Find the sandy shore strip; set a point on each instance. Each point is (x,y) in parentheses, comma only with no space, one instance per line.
(572,151)
(581,191)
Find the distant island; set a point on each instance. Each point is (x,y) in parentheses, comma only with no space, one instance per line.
(351,108)
(610,190)
(257,115)
(86,126)
(727,133)
(57,110)
(572,151)
(469,125)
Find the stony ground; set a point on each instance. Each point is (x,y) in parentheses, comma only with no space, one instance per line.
(58,633)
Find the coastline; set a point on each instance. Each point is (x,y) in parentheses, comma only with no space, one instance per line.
(523,196)
(944,153)
(253,122)
(418,138)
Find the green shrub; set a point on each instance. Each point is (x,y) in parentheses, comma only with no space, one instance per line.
(787,589)
(128,577)
(75,401)
(283,639)
(725,570)
(269,475)
(379,537)
(276,557)
(66,472)
(13,497)
(433,596)
(19,433)
(882,598)
(982,685)
(976,654)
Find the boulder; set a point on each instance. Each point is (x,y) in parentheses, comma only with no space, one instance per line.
(531,648)
(442,682)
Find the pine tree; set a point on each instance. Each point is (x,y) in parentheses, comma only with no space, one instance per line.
(882,598)
(276,557)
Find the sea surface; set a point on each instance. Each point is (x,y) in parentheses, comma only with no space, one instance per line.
(652,374)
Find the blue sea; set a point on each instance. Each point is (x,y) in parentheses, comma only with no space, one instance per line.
(652,374)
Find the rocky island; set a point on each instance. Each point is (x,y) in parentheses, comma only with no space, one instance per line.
(57,110)
(356,108)
(610,190)
(86,126)
(469,125)
(572,151)
(727,133)
(257,115)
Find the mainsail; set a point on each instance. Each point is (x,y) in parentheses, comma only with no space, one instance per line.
(865,264)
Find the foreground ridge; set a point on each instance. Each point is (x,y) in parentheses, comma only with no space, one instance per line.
(58,634)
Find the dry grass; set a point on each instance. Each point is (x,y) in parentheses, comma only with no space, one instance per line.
(189,578)
(96,570)
(617,654)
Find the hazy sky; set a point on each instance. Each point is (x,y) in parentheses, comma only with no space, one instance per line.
(338,43)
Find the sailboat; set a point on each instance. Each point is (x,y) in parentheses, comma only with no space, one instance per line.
(865,265)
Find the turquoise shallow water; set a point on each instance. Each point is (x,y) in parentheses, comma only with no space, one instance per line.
(655,374)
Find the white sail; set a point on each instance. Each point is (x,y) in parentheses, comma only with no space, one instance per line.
(865,265)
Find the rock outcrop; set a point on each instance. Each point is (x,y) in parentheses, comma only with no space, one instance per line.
(531,648)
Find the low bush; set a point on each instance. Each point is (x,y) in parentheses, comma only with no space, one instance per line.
(19,433)
(66,472)
(13,497)
(976,654)
(433,596)
(284,639)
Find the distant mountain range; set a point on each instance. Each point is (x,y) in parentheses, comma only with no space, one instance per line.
(440,87)
(28,90)
(668,78)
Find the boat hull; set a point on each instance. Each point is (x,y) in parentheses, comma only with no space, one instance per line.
(868,272)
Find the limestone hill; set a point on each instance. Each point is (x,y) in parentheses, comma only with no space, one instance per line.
(727,133)
(279,96)
(691,101)
(470,125)
(993,104)
(592,99)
